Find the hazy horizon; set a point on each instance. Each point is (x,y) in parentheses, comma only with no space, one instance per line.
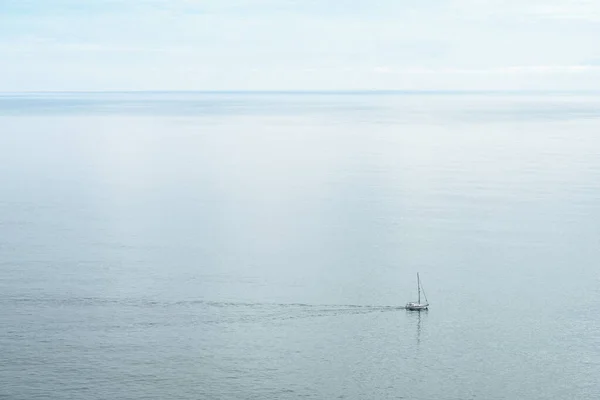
(320,91)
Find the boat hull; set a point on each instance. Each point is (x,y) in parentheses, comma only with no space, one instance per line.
(416,306)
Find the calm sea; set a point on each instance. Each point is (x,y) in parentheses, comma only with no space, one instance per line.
(260,245)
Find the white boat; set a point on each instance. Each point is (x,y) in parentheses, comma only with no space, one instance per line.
(418,306)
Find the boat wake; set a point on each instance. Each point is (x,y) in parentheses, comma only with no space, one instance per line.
(284,311)
(206,311)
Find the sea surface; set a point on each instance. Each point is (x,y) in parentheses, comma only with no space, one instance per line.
(168,245)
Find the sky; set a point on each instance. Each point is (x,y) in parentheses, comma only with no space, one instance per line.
(97,45)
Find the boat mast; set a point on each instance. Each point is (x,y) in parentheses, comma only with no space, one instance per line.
(419,288)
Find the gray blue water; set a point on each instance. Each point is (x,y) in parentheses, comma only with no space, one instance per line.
(259,245)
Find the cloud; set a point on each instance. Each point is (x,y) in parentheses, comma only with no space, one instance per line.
(382,70)
(529,9)
(528,69)
(550,69)
(41,45)
(568,10)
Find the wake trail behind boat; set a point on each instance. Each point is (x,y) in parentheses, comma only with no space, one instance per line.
(283,311)
(204,311)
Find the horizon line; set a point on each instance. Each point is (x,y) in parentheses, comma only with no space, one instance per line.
(314,91)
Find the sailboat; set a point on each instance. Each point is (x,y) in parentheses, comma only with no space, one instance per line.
(418,306)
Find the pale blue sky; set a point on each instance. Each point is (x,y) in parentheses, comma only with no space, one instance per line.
(299,44)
